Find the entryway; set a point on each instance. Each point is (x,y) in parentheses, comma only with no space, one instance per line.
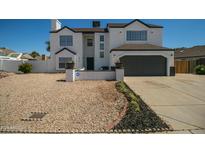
(90,63)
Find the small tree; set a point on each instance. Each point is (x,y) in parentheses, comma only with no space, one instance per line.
(34,54)
(25,68)
(48,46)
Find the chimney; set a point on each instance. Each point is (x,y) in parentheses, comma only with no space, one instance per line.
(55,24)
(96,24)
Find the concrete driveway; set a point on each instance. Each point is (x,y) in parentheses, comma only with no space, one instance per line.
(179,100)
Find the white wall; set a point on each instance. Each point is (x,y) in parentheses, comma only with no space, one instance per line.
(88,51)
(115,55)
(77,45)
(37,66)
(99,62)
(118,35)
(96,75)
(66,53)
(55,24)
(10,65)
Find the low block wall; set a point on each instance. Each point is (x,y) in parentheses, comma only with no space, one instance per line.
(72,75)
(95,75)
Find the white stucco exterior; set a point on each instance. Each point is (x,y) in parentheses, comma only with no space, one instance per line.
(113,38)
(77,47)
(99,62)
(118,35)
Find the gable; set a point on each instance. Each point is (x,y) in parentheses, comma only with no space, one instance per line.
(136,26)
(65,50)
(123,25)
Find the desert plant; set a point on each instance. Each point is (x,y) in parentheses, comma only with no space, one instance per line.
(118,65)
(200,69)
(25,68)
(129,94)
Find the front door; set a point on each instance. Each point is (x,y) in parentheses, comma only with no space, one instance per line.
(90,63)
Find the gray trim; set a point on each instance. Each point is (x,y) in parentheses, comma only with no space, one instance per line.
(141,50)
(66,50)
(123,25)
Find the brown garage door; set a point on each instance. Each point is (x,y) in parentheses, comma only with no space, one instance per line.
(144,65)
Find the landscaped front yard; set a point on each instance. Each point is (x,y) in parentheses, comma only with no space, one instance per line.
(46,103)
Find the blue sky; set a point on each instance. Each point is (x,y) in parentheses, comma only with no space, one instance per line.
(29,35)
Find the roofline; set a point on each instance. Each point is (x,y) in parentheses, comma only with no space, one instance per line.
(56,31)
(147,25)
(190,57)
(141,50)
(73,30)
(65,49)
(139,22)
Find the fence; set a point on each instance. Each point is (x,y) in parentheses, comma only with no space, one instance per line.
(37,66)
(10,65)
(185,66)
(42,66)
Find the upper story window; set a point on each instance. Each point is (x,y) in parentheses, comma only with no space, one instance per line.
(136,35)
(66,40)
(89,42)
(102,42)
(102,38)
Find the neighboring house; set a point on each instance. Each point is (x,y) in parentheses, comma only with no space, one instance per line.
(17,56)
(186,59)
(5,52)
(26,56)
(137,45)
(42,57)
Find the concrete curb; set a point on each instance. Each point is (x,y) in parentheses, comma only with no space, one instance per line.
(101,131)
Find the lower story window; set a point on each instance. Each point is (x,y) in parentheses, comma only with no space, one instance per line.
(63,61)
(102,54)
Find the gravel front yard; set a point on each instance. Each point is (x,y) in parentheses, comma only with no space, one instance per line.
(82,105)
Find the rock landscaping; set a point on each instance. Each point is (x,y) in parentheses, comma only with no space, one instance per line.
(81,106)
(139,117)
(3,74)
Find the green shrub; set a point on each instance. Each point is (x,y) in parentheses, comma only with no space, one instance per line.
(200,69)
(25,68)
(131,97)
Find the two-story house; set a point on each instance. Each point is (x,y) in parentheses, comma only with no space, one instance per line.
(137,45)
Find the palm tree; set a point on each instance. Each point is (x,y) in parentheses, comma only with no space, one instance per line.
(48,46)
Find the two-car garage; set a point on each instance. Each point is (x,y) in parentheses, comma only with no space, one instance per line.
(144,59)
(144,65)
